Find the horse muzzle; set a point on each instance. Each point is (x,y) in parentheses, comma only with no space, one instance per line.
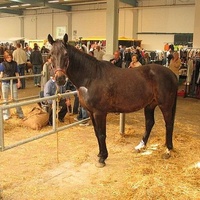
(60,77)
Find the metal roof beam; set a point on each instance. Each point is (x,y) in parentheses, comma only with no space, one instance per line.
(133,3)
(28,1)
(44,3)
(56,6)
(15,12)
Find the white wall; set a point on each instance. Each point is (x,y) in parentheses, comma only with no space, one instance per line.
(38,24)
(164,20)
(196,40)
(169,19)
(58,20)
(126,23)
(10,27)
(92,23)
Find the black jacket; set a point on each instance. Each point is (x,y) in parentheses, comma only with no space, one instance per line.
(36,58)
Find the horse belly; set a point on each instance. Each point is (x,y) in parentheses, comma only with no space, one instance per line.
(128,103)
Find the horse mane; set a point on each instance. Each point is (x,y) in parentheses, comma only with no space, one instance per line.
(80,55)
(83,61)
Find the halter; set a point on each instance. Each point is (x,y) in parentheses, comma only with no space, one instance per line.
(61,70)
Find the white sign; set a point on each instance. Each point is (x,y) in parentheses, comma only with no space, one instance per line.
(60,32)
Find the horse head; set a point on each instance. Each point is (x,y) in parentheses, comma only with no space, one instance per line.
(59,58)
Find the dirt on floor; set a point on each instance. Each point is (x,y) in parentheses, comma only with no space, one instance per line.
(61,166)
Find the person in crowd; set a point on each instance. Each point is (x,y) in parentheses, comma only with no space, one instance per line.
(169,56)
(98,53)
(28,51)
(9,68)
(71,87)
(47,71)
(175,64)
(127,57)
(117,61)
(153,56)
(37,62)
(138,52)
(19,56)
(135,62)
(44,50)
(50,89)
(147,58)
(83,114)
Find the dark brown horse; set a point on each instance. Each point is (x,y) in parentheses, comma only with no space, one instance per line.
(104,88)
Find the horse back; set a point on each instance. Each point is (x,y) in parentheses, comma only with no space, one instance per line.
(128,90)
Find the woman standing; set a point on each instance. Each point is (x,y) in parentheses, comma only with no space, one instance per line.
(9,68)
(135,62)
(47,71)
(175,64)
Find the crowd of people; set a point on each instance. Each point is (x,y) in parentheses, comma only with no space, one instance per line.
(13,64)
(134,57)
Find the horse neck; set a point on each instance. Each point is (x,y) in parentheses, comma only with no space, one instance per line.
(79,71)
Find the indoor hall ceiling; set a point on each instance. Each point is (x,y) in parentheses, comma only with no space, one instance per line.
(18,6)
(150,3)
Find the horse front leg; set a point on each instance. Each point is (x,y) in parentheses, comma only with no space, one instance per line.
(99,123)
(149,122)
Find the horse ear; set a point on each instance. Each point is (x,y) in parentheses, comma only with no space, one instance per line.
(65,38)
(50,39)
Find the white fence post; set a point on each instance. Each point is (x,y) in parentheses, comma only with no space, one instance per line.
(1,130)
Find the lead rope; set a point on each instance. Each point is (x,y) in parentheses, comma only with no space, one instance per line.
(57,111)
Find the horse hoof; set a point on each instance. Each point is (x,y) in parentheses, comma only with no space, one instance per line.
(137,150)
(141,146)
(166,155)
(100,165)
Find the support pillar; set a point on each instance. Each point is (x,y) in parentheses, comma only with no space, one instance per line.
(112,26)
(69,26)
(112,21)
(135,24)
(196,40)
(22,26)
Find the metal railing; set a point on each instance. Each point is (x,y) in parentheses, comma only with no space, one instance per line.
(11,88)
(52,131)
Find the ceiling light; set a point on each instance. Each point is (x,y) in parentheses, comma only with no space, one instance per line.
(33,8)
(27,4)
(55,1)
(14,6)
(3,7)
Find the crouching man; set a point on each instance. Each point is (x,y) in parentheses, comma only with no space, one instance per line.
(50,89)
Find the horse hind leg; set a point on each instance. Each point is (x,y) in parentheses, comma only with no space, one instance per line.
(169,117)
(149,122)
(169,124)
